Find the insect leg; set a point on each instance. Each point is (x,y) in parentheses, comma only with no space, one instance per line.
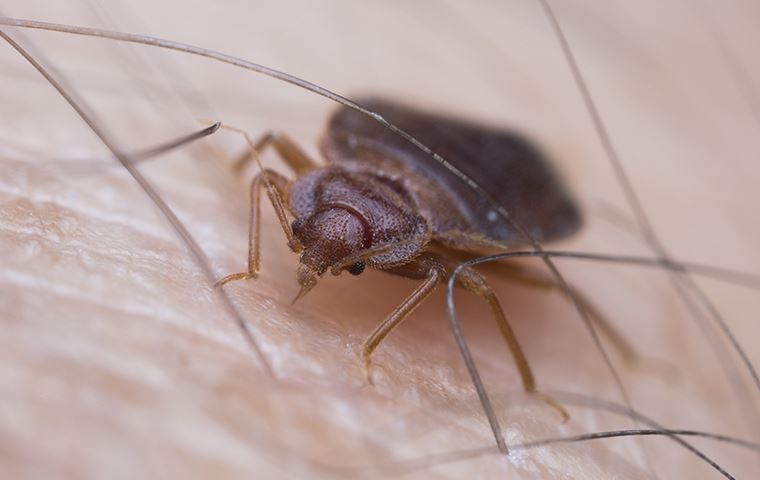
(286,148)
(475,283)
(434,274)
(532,280)
(274,183)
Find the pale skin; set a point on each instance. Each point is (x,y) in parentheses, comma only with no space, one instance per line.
(116,357)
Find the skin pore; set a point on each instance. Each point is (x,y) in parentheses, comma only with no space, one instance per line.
(118,358)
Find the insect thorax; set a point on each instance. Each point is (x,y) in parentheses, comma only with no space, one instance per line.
(340,212)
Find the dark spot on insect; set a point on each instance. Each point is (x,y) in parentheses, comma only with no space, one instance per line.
(356,268)
(296,224)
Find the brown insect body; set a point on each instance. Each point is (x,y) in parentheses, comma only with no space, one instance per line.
(341,211)
(379,190)
(380,203)
(505,165)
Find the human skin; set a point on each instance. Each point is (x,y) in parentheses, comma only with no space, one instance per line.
(118,359)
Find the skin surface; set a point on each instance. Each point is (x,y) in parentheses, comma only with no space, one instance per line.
(118,361)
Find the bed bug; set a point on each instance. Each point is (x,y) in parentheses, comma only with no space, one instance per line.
(378,315)
(377,204)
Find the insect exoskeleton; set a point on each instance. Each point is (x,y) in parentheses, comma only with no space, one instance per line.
(377,203)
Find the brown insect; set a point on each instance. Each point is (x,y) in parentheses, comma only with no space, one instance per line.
(379,204)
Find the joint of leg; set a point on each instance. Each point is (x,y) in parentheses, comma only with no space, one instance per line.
(295,244)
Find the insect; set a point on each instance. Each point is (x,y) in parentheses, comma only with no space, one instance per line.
(377,204)
(400,443)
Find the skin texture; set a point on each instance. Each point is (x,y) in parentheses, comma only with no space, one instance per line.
(117,360)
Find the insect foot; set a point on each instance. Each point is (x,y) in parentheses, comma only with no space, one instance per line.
(235,276)
(367,367)
(556,406)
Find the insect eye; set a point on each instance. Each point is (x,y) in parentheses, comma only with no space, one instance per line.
(297,223)
(356,269)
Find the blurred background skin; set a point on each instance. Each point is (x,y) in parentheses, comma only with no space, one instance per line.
(117,361)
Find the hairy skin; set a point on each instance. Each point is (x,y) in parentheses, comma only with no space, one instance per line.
(117,360)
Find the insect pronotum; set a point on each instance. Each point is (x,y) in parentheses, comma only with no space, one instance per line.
(176,350)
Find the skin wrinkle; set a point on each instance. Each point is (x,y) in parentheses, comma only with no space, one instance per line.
(423,401)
